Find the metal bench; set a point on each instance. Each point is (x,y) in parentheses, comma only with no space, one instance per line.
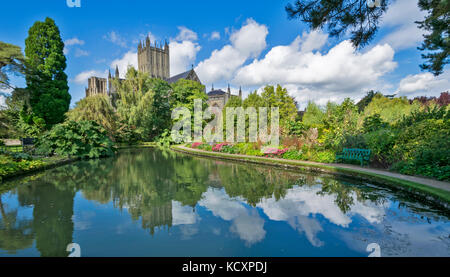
(27,144)
(361,155)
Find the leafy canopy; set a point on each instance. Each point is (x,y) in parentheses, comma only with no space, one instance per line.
(45,77)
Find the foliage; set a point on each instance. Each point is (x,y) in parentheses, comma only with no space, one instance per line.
(45,78)
(280,98)
(126,133)
(340,17)
(313,115)
(85,139)
(11,61)
(373,123)
(10,164)
(293,155)
(96,108)
(365,101)
(340,120)
(436,39)
(165,139)
(390,110)
(143,102)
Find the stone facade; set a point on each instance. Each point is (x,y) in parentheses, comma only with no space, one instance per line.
(97,85)
(154,60)
(219,98)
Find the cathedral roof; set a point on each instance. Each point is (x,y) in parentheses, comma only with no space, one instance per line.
(216,92)
(175,78)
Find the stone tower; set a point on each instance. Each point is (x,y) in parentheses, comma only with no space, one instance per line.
(154,60)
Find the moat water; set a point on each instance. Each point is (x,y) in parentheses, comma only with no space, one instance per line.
(151,202)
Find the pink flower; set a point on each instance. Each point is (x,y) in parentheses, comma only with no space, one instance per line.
(196,144)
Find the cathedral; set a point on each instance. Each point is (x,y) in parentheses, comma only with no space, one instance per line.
(155,60)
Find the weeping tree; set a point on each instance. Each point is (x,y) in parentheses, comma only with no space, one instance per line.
(96,108)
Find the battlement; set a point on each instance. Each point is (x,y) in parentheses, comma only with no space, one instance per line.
(154,59)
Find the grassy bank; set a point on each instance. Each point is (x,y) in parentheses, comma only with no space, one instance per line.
(424,191)
(11,166)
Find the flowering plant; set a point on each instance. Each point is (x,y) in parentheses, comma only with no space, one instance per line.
(218,147)
(270,152)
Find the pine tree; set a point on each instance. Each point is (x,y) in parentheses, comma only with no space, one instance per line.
(46,80)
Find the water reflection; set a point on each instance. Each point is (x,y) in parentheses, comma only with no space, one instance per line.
(192,199)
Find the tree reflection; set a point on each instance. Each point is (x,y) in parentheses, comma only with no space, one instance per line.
(15,234)
(146,183)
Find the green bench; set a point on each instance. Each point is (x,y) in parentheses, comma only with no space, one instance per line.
(362,155)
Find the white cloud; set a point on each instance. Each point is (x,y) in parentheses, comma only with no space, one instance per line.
(424,84)
(71,42)
(116,39)
(182,55)
(310,75)
(400,17)
(82,78)
(182,215)
(81,53)
(247,42)
(186,34)
(214,36)
(129,59)
(249,226)
(301,205)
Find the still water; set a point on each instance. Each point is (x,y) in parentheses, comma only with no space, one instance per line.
(150,202)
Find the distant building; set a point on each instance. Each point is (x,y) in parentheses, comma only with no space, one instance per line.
(219,98)
(97,85)
(153,60)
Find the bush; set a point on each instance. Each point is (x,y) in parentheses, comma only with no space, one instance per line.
(8,165)
(85,139)
(126,134)
(293,155)
(381,143)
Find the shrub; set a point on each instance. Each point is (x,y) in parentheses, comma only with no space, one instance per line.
(293,155)
(270,152)
(85,139)
(126,134)
(196,144)
(230,149)
(10,166)
(381,143)
(254,152)
(218,147)
(293,142)
(205,146)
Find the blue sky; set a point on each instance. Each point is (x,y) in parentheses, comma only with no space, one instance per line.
(244,43)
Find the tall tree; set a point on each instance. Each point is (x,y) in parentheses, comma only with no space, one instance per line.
(47,82)
(437,41)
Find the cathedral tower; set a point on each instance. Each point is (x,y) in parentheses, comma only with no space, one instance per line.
(154,60)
